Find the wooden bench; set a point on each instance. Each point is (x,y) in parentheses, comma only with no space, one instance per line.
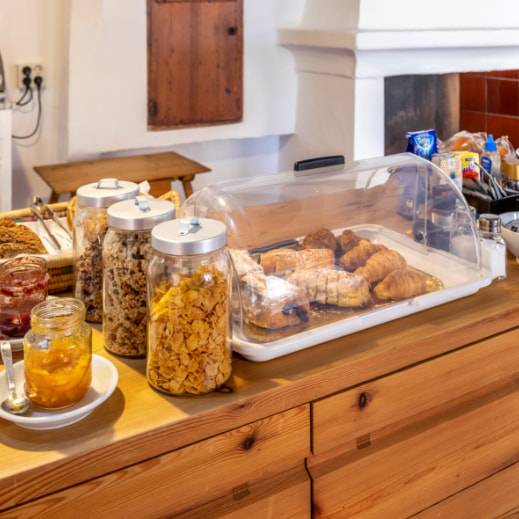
(159,169)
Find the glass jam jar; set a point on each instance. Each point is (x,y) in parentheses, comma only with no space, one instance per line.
(24,282)
(126,255)
(58,353)
(189,324)
(89,229)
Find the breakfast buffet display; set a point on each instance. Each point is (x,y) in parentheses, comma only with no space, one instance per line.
(264,267)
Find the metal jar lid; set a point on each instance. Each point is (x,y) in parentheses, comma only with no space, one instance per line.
(106,192)
(489,223)
(189,236)
(140,213)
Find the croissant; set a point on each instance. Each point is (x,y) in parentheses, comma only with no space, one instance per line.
(358,256)
(320,239)
(283,261)
(272,302)
(401,284)
(332,287)
(346,241)
(380,264)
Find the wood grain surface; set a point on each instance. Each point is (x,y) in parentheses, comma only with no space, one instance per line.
(137,424)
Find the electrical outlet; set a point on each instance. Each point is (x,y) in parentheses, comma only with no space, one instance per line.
(35,69)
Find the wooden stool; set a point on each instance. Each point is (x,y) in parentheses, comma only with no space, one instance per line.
(159,169)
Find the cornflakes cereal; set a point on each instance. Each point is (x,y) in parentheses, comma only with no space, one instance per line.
(189,334)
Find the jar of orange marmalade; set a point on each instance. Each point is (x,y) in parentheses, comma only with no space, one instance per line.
(58,353)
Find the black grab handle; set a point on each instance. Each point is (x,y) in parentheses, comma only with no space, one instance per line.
(319,162)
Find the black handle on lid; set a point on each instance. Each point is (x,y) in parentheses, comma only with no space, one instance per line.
(318,162)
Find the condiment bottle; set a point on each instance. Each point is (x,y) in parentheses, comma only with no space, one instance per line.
(126,255)
(493,247)
(189,326)
(491,159)
(24,283)
(57,353)
(89,228)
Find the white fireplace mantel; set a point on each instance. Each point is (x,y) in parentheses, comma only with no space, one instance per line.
(343,50)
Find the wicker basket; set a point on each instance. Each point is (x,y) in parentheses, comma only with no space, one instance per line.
(60,267)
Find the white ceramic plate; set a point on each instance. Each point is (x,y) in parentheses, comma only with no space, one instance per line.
(104,382)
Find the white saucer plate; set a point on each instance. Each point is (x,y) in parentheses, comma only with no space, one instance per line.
(104,382)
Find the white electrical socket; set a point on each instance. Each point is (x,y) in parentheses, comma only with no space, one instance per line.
(36,70)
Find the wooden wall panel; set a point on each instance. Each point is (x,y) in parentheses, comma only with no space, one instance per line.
(195,63)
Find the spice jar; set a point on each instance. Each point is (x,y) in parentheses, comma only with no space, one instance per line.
(90,226)
(126,255)
(189,327)
(24,283)
(58,353)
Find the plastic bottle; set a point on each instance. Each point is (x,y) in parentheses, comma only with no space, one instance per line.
(491,159)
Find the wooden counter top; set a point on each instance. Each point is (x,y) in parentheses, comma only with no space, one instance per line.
(137,423)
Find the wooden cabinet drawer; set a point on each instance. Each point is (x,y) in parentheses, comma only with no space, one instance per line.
(493,498)
(351,418)
(284,496)
(226,466)
(418,466)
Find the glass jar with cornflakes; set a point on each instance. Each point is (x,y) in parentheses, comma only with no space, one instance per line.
(126,255)
(189,323)
(57,353)
(89,229)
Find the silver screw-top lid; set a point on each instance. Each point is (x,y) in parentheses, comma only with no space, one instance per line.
(140,213)
(489,223)
(106,192)
(189,236)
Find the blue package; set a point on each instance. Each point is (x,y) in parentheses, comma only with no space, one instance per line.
(424,143)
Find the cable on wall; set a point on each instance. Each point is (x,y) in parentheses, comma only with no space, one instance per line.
(38,80)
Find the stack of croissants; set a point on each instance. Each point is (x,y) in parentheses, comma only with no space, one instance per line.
(347,271)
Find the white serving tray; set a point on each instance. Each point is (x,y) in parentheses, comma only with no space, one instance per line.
(460,278)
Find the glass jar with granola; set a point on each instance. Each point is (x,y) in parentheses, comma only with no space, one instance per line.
(57,353)
(189,325)
(89,229)
(126,255)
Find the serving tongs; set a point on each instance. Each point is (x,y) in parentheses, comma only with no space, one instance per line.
(43,207)
(47,230)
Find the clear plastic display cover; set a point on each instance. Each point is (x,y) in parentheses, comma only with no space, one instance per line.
(328,252)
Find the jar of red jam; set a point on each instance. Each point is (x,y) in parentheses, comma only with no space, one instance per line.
(57,353)
(24,283)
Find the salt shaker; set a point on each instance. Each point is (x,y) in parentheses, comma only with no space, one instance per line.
(493,247)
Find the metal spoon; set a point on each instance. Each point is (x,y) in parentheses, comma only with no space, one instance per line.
(14,403)
(38,202)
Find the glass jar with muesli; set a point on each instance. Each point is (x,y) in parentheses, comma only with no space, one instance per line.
(189,323)
(126,256)
(89,230)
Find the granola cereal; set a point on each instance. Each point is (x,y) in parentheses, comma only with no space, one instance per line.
(88,274)
(125,262)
